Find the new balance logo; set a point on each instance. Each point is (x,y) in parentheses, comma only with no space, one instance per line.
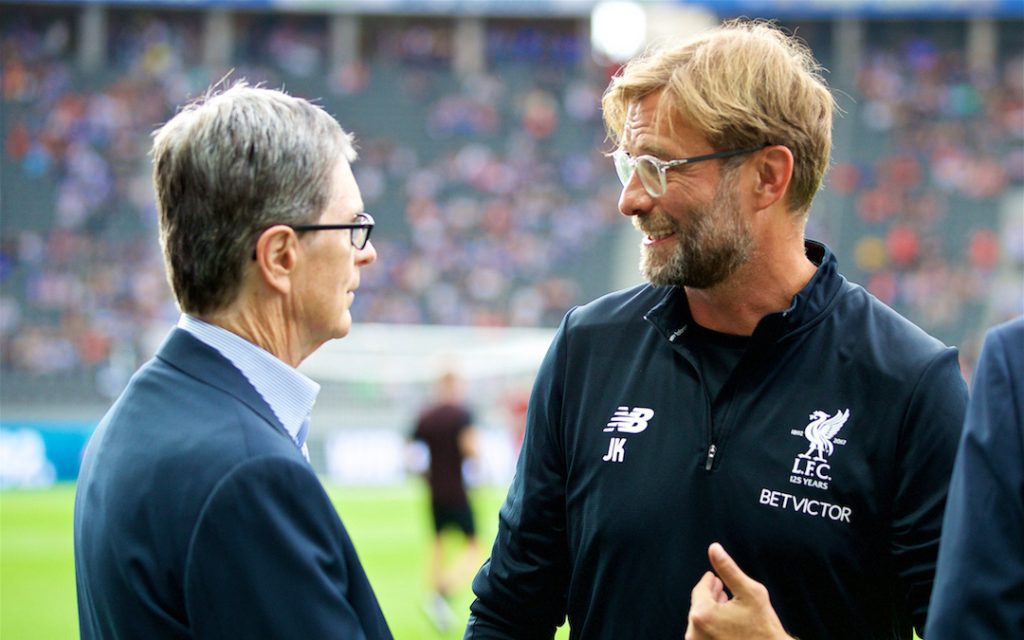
(626,420)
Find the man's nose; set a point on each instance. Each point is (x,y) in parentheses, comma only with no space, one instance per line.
(367,254)
(634,199)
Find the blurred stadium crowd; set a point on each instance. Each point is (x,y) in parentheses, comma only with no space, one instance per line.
(495,203)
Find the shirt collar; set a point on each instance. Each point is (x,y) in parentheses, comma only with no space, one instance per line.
(671,315)
(290,394)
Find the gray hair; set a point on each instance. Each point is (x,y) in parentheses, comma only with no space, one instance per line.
(226,167)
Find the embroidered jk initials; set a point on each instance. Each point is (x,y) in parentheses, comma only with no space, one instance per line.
(616,450)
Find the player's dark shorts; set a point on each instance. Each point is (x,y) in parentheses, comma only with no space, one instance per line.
(458,516)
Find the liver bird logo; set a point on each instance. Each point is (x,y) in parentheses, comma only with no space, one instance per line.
(821,430)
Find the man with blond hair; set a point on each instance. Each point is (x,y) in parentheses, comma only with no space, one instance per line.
(748,446)
(197,514)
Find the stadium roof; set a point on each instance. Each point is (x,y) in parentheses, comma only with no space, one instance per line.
(581,8)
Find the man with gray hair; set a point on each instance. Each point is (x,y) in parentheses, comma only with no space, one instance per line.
(197,514)
(749,407)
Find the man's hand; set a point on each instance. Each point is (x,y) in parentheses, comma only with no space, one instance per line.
(748,615)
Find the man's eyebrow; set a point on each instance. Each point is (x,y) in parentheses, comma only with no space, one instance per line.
(652,149)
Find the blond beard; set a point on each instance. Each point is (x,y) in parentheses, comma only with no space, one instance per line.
(715,243)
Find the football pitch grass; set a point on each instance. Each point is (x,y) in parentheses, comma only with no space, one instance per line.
(389,526)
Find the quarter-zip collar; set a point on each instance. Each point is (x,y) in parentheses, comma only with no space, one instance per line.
(672,318)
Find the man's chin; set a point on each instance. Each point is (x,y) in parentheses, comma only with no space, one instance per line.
(659,280)
(659,275)
(342,330)
(345,325)
(665,276)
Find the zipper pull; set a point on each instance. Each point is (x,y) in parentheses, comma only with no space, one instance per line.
(711,457)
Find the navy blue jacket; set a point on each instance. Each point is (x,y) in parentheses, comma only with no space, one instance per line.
(822,467)
(196,516)
(979,587)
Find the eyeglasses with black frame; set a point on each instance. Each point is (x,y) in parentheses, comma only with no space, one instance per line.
(652,170)
(359,231)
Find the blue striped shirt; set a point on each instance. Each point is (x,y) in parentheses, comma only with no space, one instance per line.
(290,394)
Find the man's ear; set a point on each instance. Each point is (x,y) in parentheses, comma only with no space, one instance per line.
(276,255)
(774,166)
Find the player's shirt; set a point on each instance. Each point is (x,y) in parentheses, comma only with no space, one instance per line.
(821,465)
(440,428)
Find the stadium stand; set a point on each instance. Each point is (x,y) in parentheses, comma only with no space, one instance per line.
(926,191)
(495,202)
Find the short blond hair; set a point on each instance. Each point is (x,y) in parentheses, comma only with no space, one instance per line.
(742,84)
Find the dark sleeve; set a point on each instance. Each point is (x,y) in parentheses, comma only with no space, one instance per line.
(417,431)
(467,418)
(521,589)
(927,446)
(269,558)
(979,586)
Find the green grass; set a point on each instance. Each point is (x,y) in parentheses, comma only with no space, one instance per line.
(390,528)
(37,571)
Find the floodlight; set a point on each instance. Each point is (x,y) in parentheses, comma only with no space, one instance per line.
(618,30)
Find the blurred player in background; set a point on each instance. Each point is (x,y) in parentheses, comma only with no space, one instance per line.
(446,429)
(749,406)
(979,586)
(197,514)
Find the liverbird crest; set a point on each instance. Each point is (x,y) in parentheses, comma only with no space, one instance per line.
(820,431)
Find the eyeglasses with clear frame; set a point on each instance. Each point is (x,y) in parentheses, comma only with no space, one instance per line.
(359,231)
(652,170)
